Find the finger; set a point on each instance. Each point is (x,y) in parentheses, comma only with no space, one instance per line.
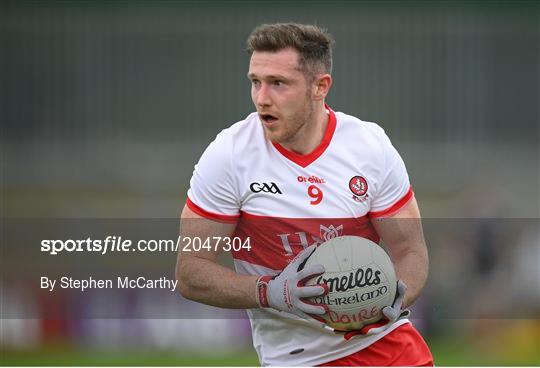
(318,318)
(326,308)
(398,303)
(311,271)
(311,308)
(309,291)
(390,313)
(405,314)
(301,258)
(326,289)
(400,295)
(402,287)
(303,255)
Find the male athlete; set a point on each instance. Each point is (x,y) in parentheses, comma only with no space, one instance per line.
(288,177)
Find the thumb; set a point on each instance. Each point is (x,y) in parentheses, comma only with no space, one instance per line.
(303,255)
(401,287)
(400,295)
(391,314)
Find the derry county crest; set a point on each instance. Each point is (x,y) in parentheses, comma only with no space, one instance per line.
(359,186)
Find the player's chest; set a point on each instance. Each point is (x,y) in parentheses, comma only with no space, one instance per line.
(328,188)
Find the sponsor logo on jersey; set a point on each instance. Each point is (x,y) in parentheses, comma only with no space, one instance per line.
(312,179)
(265,188)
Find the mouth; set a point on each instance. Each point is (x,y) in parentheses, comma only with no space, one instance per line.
(268,119)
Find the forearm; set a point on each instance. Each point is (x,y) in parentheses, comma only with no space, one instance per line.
(404,239)
(207,282)
(412,267)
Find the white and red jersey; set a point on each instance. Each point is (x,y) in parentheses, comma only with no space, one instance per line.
(285,202)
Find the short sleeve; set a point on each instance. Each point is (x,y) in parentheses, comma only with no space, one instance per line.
(393,187)
(212,193)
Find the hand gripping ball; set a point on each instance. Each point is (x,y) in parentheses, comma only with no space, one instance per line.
(361,281)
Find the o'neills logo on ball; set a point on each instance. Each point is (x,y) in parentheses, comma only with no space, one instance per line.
(359,279)
(358,185)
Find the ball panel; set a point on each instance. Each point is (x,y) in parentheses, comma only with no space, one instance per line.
(361,281)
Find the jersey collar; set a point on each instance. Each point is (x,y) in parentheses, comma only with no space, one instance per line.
(305,160)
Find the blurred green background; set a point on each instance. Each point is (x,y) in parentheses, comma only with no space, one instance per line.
(106,107)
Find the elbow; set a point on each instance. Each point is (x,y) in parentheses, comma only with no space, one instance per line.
(185,290)
(184,286)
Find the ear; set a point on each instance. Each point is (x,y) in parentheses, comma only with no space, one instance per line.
(321,86)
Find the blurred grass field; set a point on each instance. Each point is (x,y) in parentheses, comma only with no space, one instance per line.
(447,352)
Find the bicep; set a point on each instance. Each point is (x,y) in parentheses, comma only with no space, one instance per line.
(194,226)
(402,232)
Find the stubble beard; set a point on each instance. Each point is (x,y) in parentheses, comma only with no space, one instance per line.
(297,122)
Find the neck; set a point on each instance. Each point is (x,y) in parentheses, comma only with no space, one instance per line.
(311,134)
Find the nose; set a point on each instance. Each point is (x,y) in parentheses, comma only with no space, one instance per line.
(262,96)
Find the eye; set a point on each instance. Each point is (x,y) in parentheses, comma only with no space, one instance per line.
(278,83)
(255,82)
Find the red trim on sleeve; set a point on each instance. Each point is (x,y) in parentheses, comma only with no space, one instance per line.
(211,215)
(392,210)
(305,160)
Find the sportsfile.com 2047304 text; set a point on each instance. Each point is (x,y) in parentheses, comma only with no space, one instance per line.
(114,243)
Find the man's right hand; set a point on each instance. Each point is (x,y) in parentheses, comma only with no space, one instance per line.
(286,291)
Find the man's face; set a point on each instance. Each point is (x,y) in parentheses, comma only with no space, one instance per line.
(281,94)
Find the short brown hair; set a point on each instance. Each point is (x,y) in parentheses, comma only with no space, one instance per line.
(314,44)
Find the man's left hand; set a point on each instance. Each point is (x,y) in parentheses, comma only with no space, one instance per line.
(391,315)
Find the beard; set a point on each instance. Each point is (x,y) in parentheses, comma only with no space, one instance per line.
(292,125)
